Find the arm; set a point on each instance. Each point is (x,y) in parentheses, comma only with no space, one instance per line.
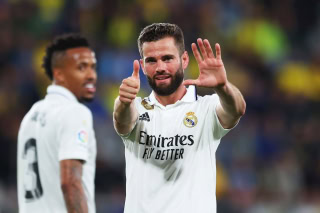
(213,75)
(125,113)
(232,105)
(71,184)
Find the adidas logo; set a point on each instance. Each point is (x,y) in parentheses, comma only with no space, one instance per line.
(144,117)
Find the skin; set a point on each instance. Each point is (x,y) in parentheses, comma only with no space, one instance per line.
(76,72)
(71,184)
(161,61)
(212,74)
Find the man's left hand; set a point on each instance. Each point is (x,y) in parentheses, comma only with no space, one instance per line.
(211,68)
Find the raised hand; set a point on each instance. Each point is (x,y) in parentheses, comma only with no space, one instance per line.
(212,72)
(130,86)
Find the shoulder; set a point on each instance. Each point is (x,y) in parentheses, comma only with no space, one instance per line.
(142,103)
(75,110)
(34,109)
(31,117)
(139,99)
(208,99)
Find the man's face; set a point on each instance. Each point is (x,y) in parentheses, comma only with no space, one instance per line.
(163,65)
(78,73)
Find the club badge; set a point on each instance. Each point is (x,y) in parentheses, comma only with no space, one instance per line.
(190,120)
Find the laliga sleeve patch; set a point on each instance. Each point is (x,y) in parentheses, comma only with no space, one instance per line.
(83,136)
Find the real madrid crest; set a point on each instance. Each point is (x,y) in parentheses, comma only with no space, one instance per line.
(190,120)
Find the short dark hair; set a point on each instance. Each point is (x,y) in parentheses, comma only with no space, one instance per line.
(157,31)
(59,45)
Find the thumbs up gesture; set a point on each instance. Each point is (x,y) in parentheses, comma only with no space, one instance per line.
(130,86)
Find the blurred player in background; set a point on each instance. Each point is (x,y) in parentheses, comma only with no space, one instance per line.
(56,141)
(171,136)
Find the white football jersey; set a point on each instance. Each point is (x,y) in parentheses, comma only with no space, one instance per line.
(56,128)
(170,155)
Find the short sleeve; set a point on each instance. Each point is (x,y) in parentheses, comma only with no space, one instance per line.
(218,130)
(74,133)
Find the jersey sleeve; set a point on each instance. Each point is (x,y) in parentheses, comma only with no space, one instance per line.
(218,130)
(74,133)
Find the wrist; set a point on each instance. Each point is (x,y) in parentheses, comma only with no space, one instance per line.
(222,89)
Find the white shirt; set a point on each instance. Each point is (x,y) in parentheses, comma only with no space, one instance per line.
(56,128)
(170,156)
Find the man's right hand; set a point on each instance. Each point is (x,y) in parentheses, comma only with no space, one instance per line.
(130,86)
(125,113)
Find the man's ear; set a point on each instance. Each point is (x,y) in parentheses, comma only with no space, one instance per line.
(185,60)
(142,65)
(58,75)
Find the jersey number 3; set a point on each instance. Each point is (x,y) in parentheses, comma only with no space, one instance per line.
(32,183)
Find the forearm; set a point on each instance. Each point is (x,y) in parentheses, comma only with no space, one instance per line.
(124,116)
(71,185)
(233,105)
(75,198)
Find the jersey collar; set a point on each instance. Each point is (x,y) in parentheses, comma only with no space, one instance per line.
(62,91)
(190,96)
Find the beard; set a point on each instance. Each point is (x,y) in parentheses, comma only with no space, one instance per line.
(167,89)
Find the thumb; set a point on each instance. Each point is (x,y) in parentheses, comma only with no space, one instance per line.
(190,82)
(136,68)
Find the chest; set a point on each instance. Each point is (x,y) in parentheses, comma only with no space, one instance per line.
(183,120)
